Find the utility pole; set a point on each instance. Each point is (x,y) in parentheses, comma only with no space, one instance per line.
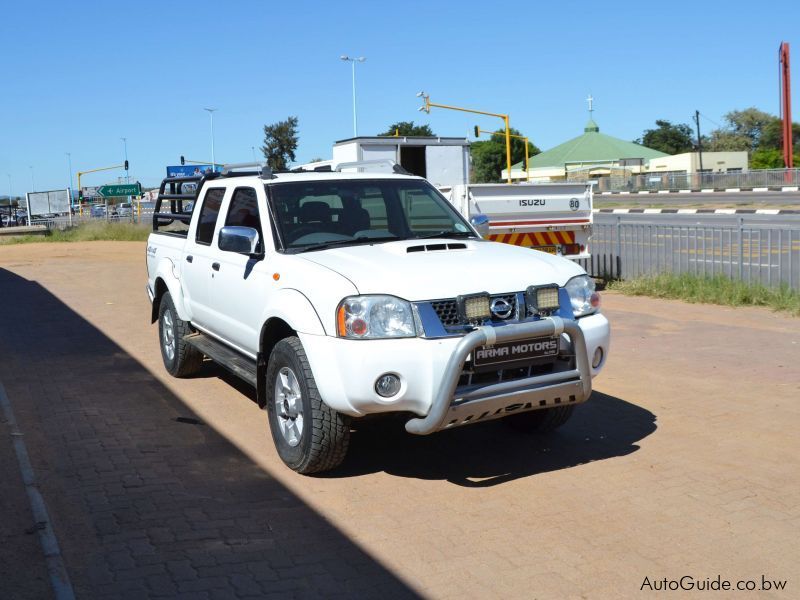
(33,183)
(699,140)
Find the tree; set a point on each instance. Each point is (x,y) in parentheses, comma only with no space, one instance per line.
(668,138)
(742,131)
(280,142)
(723,140)
(408,128)
(489,156)
(772,136)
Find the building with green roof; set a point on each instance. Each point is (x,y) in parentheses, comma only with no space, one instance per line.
(587,156)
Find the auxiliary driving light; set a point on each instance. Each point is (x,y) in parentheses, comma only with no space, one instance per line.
(474,307)
(387,385)
(542,298)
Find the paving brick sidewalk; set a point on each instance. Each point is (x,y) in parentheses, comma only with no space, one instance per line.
(146,501)
(684,462)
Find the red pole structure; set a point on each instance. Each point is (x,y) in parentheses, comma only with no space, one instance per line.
(786,105)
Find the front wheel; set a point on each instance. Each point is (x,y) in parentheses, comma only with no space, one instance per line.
(309,436)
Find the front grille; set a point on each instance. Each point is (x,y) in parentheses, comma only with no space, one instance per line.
(447,311)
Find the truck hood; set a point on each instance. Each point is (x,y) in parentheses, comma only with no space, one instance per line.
(430,269)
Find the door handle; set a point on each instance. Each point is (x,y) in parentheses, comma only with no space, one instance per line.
(215,266)
(189,258)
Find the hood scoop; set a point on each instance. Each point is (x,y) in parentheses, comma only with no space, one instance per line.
(436,247)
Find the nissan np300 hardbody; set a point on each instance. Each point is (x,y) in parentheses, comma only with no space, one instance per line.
(339,295)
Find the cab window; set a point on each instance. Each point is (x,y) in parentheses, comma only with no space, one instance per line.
(207,219)
(243,212)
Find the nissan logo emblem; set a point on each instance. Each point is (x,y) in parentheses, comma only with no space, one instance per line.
(501,308)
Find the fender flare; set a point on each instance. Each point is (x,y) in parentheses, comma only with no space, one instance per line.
(294,308)
(289,310)
(165,273)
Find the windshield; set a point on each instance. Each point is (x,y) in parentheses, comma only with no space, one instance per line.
(319,214)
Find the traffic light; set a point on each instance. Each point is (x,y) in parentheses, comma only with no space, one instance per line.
(477,131)
(183,160)
(126,165)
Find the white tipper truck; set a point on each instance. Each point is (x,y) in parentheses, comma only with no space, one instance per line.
(551,217)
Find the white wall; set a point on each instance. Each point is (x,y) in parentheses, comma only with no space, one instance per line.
(717,162)
(447,165)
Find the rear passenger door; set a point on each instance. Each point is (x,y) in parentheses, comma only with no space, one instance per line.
(198,270)
(239,290)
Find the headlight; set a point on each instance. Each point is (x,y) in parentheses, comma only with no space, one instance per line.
(374,317)
(582,296)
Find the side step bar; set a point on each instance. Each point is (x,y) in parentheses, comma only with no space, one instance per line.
(240,365)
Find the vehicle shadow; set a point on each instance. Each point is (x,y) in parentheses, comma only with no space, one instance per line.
(145,498)
(492,453)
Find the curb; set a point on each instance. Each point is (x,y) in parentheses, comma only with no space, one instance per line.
(59,579)
(697,211)
(774,188)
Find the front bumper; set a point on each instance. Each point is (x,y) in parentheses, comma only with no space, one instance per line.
(429,371)
(497,400)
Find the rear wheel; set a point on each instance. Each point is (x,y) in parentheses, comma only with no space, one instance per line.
(309,436)
(180,359)
(540,421)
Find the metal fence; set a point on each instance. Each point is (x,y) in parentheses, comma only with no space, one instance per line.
(765,255)
(766,178)
(64,221)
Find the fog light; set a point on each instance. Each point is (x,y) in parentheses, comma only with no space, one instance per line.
(597,358)
(387,385)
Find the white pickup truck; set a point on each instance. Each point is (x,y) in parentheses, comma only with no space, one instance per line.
(339,295)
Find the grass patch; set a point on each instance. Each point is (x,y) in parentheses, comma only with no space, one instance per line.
(87,232)
(711,290)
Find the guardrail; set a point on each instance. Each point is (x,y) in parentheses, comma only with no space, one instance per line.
(762,179)
(766,255)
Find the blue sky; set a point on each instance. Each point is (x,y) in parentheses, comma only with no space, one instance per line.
(78,76)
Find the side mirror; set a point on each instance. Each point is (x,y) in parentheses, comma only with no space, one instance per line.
(481,224)
(242,240)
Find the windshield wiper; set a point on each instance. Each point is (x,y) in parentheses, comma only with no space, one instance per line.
(334,243)
(444,234)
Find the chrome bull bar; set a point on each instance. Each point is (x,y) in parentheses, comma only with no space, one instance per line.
(497,400)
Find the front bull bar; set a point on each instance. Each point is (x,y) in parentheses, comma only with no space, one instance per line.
(576,382)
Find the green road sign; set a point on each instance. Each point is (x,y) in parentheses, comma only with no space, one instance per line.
(124,189)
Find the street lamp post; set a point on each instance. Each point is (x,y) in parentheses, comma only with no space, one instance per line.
(353,62)
(69,166)
(33,183)
(213,159)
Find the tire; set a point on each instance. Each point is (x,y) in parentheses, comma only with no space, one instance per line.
(310,437)
(180,359)
(540,421)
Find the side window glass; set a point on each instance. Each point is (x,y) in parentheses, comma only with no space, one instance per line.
(207,219)
(243,212)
